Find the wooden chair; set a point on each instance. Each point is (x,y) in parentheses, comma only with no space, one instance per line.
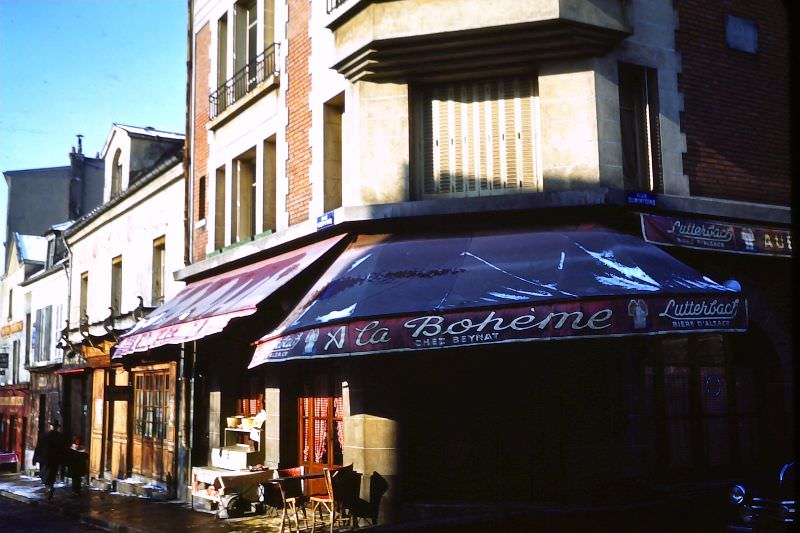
(292,497)
(334,501)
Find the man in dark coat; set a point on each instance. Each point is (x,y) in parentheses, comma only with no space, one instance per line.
(50,454)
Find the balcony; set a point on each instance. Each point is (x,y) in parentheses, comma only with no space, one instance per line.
(401,40)
(249,78)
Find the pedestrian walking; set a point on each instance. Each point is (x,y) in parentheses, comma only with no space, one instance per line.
(77,463)
(50,454)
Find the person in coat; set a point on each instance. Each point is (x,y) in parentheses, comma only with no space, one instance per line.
(77,463)
(50,454)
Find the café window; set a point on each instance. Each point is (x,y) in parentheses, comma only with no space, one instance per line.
(150,396)
(700,403)
(321,414)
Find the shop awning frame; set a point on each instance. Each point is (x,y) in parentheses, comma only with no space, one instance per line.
(207,306)
(389,293)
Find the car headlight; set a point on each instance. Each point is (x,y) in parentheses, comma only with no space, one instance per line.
(786,513)
(737,494)
(746,513)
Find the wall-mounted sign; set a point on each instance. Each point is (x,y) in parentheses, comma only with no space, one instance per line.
(641,198)
(716,235)
(323,221)
(9,329)
(14,401)
(3,360)
(119,393)
(642,315)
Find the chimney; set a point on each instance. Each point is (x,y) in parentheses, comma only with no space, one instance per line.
(80,143)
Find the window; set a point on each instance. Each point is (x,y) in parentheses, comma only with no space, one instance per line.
(116,284)
(10,302)
(222,50)
(219,209)
(28,338)
(321,413)
(151,402)
(477,138)
(201,198)
(701,406)
(245,51)
(157,295)
(268,194)
(41,337)
(51,251)
(116,174)
(243,219)
(15,362)
(84,297)
(741,34)
(639,123)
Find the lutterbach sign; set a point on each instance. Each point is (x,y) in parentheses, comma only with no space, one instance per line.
(581,319)
(713,235)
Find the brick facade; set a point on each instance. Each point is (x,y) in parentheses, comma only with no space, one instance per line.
(736,104)
(298,164)
(202,65)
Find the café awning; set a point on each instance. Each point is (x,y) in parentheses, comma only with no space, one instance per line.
(716,235)
(205,307)
(389,293)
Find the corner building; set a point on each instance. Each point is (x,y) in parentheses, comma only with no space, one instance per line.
(486,250)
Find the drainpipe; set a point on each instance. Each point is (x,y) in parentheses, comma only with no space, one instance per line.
(68,272)
(188,163)
(191,405)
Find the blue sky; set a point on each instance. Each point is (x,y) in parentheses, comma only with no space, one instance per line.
(77,66)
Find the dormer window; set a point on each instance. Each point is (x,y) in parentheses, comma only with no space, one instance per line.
(51,252)
(116,174)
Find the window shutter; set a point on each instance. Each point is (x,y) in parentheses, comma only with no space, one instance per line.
(480,137)
(527,135)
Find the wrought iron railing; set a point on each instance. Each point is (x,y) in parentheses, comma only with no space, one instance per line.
(244,81)
(335,4)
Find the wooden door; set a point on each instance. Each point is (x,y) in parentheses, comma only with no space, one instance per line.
(98,412)
(320,427)
(154,422)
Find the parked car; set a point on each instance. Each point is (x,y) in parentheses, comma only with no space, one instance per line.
(768,504)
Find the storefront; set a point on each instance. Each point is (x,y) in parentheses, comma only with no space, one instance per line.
(199,344)
(462,366)
(46,402)
(14,405)
(523,364)
(759,257)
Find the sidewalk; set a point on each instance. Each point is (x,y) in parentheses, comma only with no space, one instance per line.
(129,514)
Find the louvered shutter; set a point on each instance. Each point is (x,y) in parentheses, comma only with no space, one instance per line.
(480,138)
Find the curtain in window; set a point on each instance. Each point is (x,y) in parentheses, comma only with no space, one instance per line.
(320,430)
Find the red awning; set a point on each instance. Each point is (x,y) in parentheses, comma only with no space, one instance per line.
(388,293)
(716,235)
(70,371)
(205,307)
